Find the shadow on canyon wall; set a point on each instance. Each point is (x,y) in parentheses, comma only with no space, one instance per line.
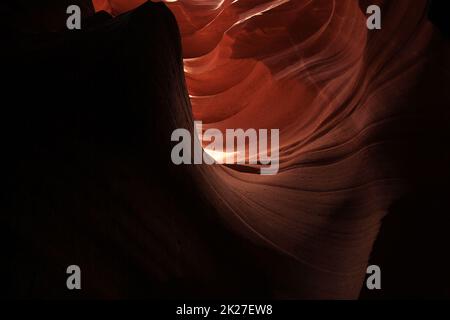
(86,150)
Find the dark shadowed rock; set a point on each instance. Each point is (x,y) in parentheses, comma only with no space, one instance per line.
(86,129)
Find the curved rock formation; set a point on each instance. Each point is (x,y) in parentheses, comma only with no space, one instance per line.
(346,103)
(353,107)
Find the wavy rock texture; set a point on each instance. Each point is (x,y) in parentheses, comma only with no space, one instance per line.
(344,100)
(363,117)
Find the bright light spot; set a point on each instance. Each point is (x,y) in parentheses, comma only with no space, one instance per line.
(221,156)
